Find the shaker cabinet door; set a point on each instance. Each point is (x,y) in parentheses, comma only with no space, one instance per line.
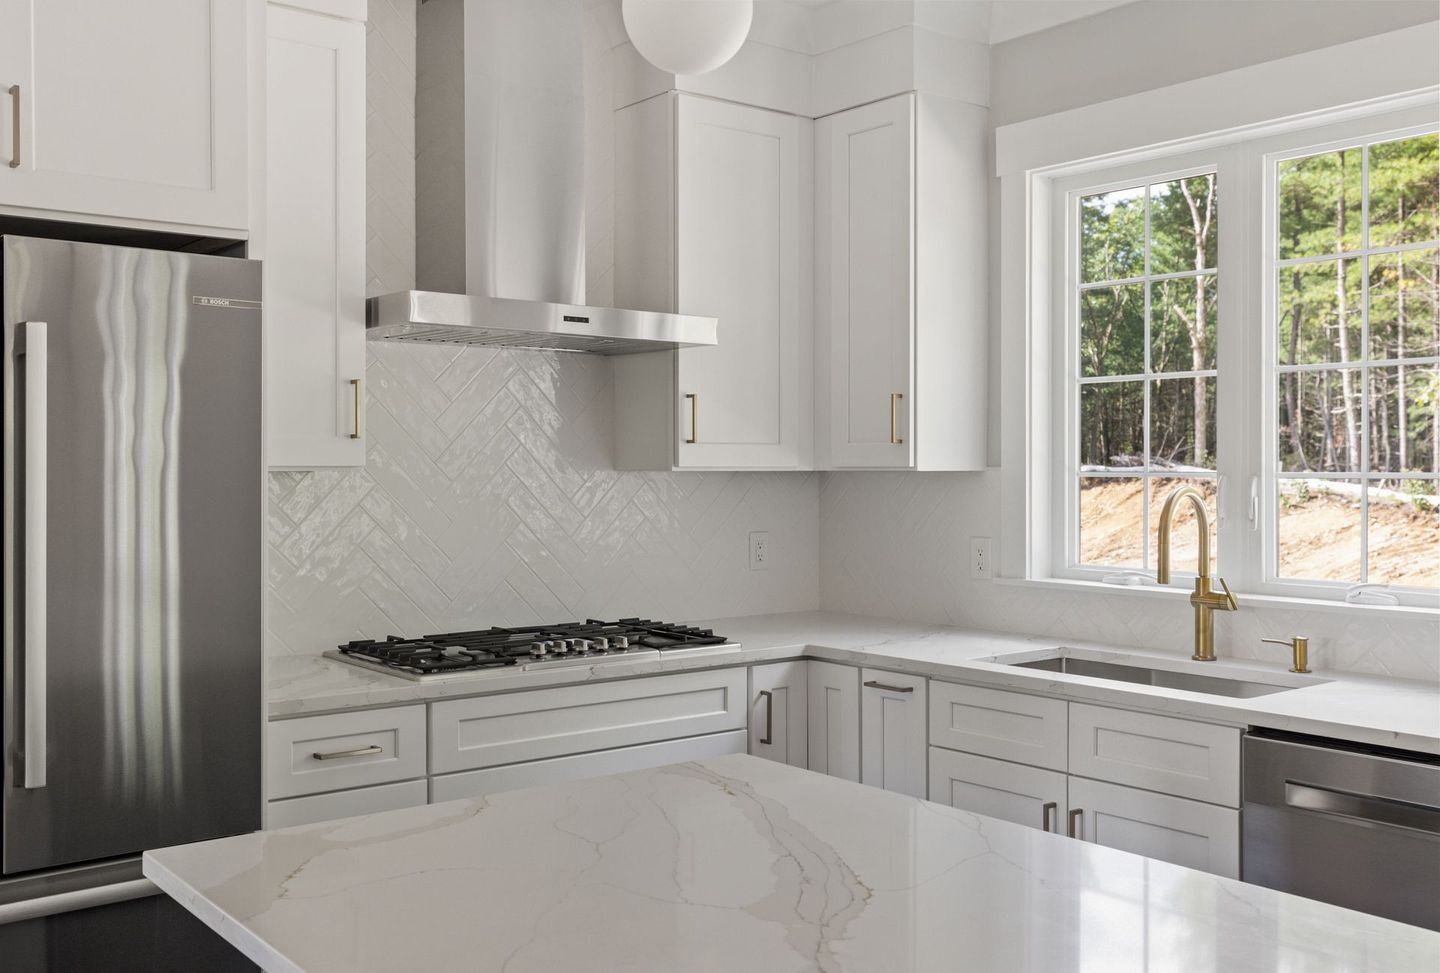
(123,109)
(866,243)
(738,232)
(314,239)
(779,708)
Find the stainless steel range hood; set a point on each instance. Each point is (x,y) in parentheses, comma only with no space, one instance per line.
(500,191)
(496,322)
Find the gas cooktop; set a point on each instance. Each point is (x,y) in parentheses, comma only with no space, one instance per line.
(535,647)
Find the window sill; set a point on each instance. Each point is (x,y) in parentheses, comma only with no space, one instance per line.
(1177,594)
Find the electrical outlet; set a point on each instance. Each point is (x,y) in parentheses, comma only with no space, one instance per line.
(759,550)
(980,566)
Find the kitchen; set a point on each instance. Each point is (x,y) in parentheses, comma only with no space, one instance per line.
(867,528)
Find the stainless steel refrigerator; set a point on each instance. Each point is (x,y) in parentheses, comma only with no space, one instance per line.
(132,555)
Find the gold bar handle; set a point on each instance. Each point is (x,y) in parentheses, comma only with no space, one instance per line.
(355,384)
(769,737)
(14,126)
(694,416)
(1047,815)
(357,752)
(895,398)
(884,687)
(1077,824)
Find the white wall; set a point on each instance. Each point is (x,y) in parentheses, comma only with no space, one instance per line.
(897,544)
(488,498)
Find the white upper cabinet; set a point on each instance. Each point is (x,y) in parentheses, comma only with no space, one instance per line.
(125,110)
(900,285)
(732,241)
(313,236)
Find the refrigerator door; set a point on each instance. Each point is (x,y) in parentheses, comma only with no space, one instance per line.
(132,550)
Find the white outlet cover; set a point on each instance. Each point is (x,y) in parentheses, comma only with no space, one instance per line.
(759,550)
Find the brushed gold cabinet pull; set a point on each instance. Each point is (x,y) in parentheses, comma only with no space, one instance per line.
(1047,812)
(895,398)
(1077,824)
(769,737)
(694,413)
(357,752)
(355,384)
(14,126)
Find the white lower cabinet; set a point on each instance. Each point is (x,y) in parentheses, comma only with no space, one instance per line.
(509,728)
(534,773)
(1172,829)
(1154,785)
(339,751)
(834,716)
(892,731)
(346,804)
(1011,792)
(779,712)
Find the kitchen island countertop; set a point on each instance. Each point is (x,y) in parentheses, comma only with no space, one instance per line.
(737,863)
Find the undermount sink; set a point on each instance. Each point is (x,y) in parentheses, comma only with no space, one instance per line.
(1146,671)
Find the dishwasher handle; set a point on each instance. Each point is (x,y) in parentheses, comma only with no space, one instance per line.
(1363,807)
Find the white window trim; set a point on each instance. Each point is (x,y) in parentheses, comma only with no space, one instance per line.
(1387,73)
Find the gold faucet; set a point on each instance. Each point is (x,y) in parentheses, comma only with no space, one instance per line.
(1205,600)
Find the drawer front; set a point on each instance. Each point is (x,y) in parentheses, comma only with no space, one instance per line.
(345,804)
(999,789)
(477,783)
(995,723)
(1158,753)
(314,754)
(1171,829)
(466,734)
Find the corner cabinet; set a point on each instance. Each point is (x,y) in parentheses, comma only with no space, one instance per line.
(125,111)
(312,236)
(900,285)
(731,238)
(779,712)
(892,731)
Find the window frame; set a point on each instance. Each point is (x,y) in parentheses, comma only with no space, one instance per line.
(1247,464)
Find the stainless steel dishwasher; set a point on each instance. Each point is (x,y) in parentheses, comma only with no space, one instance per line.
(1356,826)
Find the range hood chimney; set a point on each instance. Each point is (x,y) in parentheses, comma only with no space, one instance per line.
(500,190)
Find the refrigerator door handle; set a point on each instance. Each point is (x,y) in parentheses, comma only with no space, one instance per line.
(37,360)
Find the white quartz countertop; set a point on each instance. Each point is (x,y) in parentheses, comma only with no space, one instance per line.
(1361,708)
(737,863)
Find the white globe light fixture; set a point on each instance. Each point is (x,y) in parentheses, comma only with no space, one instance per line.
(687,36)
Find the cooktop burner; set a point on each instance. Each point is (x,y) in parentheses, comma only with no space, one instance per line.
(568,643)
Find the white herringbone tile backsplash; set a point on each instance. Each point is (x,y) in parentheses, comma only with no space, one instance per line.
(488,499)
(895,544)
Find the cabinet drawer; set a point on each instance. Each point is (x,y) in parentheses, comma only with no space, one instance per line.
(1158,753)
(999,789)
(330,753)
(345,804)
(1171,829)
(477,783)
(995,723)
(466,734)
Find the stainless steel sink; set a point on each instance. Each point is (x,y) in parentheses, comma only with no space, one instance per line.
(1165,678)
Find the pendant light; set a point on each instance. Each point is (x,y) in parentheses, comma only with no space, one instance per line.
(687,36)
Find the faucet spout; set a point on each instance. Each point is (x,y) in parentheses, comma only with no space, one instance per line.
(1202,520)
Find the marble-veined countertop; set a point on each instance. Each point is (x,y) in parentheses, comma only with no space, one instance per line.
(1362,708)
(736,863)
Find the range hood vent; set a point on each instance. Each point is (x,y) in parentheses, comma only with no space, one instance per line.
(495,322)
(500,195)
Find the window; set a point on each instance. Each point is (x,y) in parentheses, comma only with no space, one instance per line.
(1357,344)
(1145,303)
(1289,369)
